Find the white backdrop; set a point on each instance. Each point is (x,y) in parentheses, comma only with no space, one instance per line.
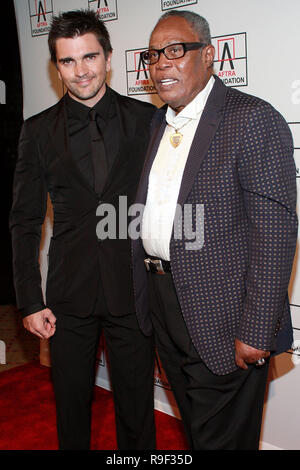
(257,45)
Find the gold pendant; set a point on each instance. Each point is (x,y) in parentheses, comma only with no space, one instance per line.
(175,139)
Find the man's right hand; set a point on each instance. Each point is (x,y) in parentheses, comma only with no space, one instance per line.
(41,324)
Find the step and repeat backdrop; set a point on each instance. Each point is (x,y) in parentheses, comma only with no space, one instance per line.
(257,44)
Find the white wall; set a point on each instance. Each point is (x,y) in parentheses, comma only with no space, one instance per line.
(263,39)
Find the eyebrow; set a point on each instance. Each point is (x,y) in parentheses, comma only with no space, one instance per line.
(170,43)
(89,54)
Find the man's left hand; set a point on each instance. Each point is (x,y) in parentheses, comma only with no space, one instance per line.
(245,354)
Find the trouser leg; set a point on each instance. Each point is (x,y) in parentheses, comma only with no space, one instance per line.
(219,412)
(170,350)
(131,359)
(73,356)
(226,411)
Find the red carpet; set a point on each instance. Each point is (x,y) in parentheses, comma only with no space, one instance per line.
(28,422)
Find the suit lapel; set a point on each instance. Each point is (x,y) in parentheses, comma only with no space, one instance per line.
(126,132)
(60,140)
(207,127)
(58,131)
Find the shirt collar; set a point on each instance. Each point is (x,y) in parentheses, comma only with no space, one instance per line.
(193,109)
(78,110)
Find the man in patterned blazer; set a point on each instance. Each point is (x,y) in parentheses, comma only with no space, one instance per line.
(218,235)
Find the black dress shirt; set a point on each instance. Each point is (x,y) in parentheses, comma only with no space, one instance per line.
(78,126)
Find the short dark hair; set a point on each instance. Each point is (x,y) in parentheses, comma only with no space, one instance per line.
(74,23)
(197,22)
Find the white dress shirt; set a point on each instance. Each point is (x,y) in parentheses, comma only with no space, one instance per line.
(166,175)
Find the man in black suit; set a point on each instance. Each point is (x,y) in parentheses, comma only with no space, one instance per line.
(219,232)
(86,151)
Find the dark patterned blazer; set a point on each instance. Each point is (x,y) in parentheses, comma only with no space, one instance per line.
(77,259)
(241,168)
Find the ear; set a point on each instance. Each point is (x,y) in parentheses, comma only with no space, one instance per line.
(209,55)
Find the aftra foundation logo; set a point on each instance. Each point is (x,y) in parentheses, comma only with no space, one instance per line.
(231,59)
(106,9)
(172,4)
(41,12)
(138,77)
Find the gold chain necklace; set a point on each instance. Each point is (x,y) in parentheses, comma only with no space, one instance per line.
(176,138)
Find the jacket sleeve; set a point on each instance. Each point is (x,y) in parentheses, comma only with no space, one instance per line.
(268,179)
(26,219)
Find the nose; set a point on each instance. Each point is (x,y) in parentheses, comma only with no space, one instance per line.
(81,69)
(163,62)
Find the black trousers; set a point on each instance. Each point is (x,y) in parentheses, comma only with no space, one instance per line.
(131,358)
(218,412)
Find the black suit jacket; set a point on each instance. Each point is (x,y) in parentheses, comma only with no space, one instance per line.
(240,168)
(77,259)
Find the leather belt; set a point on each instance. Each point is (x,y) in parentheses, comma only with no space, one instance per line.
(157,266)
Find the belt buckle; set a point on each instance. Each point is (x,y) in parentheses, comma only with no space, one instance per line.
(147,263)
(157,263)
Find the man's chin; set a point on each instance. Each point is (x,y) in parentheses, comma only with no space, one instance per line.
(84,96)
(168,98)
(172,103)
